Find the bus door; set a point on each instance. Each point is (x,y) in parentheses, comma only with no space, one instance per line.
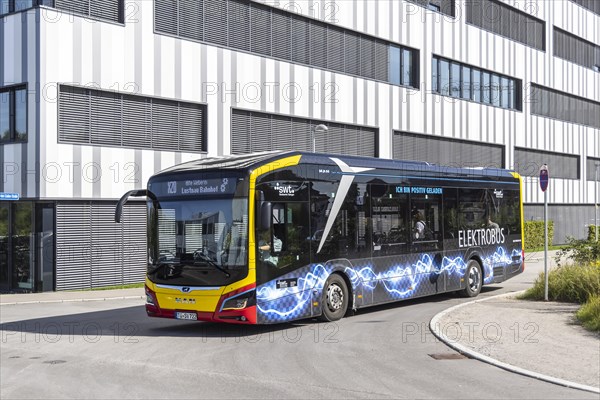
(282,244)
(426,238)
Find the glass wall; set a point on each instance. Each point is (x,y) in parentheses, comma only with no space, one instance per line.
(464,81)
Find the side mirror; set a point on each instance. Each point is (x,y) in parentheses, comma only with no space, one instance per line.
(266,214)
(123,200)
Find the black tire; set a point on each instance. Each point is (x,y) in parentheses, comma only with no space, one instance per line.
(335,299)
(473,279)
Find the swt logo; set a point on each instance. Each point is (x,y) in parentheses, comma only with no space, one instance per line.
(286,190)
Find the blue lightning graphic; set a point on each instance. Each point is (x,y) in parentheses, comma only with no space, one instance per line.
(400,281)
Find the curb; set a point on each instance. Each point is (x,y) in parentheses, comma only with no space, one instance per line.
(71,300)
(434,324)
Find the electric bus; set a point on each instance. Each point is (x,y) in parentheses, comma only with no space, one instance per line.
(281,236)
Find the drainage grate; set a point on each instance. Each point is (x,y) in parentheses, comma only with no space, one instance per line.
(54,362)
(447,356)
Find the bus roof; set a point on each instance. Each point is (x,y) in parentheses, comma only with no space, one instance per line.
(249,162)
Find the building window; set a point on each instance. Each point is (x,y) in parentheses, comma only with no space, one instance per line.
(576,50)
(13,114)
(253,132)
(97,117)
(591,169)
(266,31)
(463,81)
(11,6)
(446,7)
(528,162)
(551,103)
(501,19)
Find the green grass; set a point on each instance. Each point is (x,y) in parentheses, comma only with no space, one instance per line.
(569,283)
(129,286)
(572,284)
(589,314)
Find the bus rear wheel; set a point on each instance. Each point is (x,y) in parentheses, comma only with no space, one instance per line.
(335,298)
(474,279)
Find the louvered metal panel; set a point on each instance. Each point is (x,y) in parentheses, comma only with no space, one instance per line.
(240,132)
(253,132)
(335,49)
(300,40)
(352,142)
(442,151)
(134,256)
(95,250)
(318,44)
(165,125)
(261,139)
(353,58)
(73,238)
(381,60)
(73,115)
(260,19)
(576,49)
(239,24)
(335,139)
(191,128)
(592,5)
(165,16)
(282,35)
(367,57)
(190,19)
(215,22)
(137,122)
(107,9)
(502,19)
(301,135)
(106,246)
(565,107)
(281,129)
(106,118)
(81,7)
(528,162)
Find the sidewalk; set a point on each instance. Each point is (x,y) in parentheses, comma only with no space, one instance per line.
(539,339)
(60,297)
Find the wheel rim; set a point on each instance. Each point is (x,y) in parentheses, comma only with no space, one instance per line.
(335,297)
(474,279)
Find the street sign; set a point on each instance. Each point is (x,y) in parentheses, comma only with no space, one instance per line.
(9,196)
(544,177)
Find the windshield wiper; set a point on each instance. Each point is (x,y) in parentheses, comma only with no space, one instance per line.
(163,264)
(210,262)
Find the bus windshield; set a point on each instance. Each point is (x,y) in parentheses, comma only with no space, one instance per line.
(197,241)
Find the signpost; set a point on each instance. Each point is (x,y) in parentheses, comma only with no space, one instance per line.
(544,175)
(9,196)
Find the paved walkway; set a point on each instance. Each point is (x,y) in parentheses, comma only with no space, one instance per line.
(539,339)
(59,297)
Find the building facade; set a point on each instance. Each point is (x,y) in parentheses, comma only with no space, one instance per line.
(96,96)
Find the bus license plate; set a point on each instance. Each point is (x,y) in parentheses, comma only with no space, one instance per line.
(186,315)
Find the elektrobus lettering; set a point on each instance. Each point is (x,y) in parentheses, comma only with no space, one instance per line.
(480,237)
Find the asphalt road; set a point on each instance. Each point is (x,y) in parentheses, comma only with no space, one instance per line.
(110,349)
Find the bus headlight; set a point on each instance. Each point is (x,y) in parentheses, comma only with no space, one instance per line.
(240,301)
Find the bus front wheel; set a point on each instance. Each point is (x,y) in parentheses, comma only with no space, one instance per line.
(474,279)
(335,298)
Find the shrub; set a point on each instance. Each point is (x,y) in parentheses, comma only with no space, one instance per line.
(592,232)
(589,314)
(570,283)
(534,234)
(581,251)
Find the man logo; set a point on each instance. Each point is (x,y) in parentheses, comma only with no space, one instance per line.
(172,187)
(185,289)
